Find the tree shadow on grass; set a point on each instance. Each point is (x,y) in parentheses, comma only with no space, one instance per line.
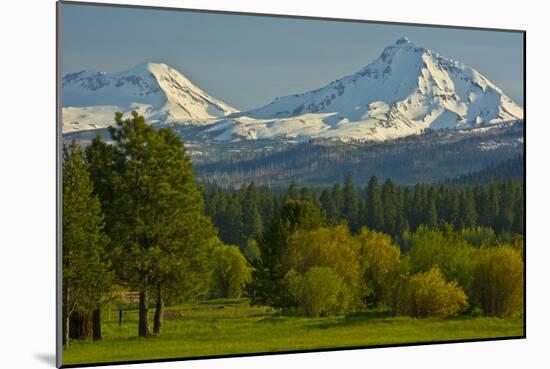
(273,319)
(225,301)
(354,319)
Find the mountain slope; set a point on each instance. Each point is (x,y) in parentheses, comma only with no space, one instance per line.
(407,89)
(157,91)
(434,156)
(507,169)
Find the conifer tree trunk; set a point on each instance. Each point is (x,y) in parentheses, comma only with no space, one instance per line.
(75,325)
(81,326)
(143,326)
(96,323)
(87,326)
(159,311)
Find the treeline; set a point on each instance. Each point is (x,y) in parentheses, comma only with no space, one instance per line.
(309,267)
(428,250)
(244,214)
(133,218)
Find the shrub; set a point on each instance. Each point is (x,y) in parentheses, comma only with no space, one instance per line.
(428,295)
(319,292)
(230,270)
(332,248)
(380,262)
(498,281)
(294,281)
(454,257)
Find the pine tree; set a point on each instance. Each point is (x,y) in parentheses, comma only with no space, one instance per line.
(431,217)
(454,209)
(212,201)
(267,206)
(408,209)
(336,205)
(269,271)
(507,205)
(390,207)
(431,214)
(292,193)
(419,206)
(402,225)
(325,202)
(468,214)
(102,162)
(181,265)
(252,221)
(86,270)
(350,211)
(307,194)
(374,210)
(231,227)
(481,200)
(220,209)
(493,205)
(519,218)
(158,222)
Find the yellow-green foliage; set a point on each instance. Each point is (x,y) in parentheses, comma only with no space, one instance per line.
(321,291)
(380,261)
(428,295)
(230,270)
(435,279)
(479,236)
(454,256)
(252,251)
(498,281)
(332,248)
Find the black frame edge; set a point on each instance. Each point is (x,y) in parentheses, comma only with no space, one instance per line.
(291,352)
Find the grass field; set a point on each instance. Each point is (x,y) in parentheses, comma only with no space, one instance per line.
(221,327)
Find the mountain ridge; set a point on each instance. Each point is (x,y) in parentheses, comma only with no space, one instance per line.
(404,91)
(155,90)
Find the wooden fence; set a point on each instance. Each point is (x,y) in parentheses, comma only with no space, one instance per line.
(129,296)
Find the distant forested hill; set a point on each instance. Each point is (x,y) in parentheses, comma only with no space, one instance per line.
(431,157)
(508,169)
(428,158)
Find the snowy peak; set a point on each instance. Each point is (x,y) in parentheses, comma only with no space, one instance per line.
(405,90)
(88,88)
(402,40)
(427,89)
(158,91)
(180,92)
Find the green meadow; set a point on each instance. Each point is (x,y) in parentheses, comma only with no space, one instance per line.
(225,327)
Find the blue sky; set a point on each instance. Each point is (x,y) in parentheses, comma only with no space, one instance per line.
(248,61)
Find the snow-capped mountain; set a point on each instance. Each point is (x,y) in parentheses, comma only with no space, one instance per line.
(157,91)
(405,90)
